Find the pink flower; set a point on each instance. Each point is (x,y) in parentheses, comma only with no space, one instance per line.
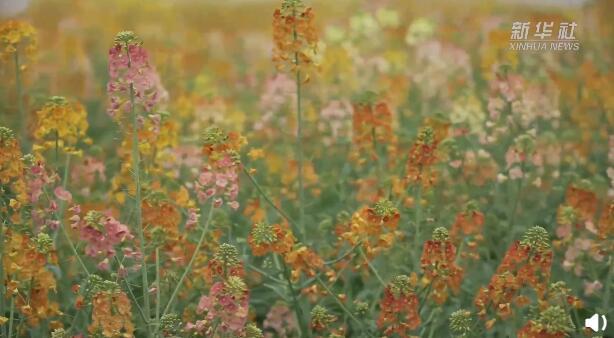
(101,234)
(222,305)
(192,218)
(62,194)
(592,287)
(220,182)
(281,320)
(516,173)
(104,265)
(129,66)
(563,231)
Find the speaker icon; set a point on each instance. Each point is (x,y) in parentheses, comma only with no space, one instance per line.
(593,322)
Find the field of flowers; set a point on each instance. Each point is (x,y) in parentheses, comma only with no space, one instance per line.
(296,168)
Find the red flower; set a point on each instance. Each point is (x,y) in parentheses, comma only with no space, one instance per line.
(399,308)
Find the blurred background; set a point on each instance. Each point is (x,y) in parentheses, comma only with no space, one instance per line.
(219,52)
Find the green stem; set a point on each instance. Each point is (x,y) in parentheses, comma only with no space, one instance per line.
(57,149)
(297,306)
(137,200)
(2,285)
(426,297)
(73,322)
(189,267)
(60,218)
(608,286)
(73,249)
(64,184)
(131,294)
(264,273)
(23,123)
(512,216)
(158,295)
(299,135)
(11,316)
(372,268)
(345,309)
(268,200)
(418,215)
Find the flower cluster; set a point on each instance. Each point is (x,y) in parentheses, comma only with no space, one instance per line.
(225,263)
(294,36)
(17,36)
(52,131)
(321,318)
(527,263)
(303,259)
(422,157)
(373,228)
(157,227)
(550,318)
(439,267)
(280,319)
(225,308)
(219,177)
(399,307)
(467,228)
(132,77)
(29,282)
(553,322)
(111,310)
(371,127)
(12,182)
(265,238)
(461,323)
(101,233)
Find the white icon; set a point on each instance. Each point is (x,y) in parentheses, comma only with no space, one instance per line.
(593,322)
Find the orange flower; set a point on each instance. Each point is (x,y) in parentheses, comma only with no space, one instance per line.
(26,263)
(527,263)
(468,222)
(585,201)
(371,126)
(111,314)
(217,144)
(16,35)
(265,238)
(253,211)
(12,168)
(606,222)
(303,260)
(294,36)
(162,214)
(468,228)
(439,267)
(399,308)
(374,228)
(225,263)
(422,157)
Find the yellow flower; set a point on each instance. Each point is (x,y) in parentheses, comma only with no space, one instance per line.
(15,36)
(111,314)
(11,167)
(27,267)
(60,123)
(255,153)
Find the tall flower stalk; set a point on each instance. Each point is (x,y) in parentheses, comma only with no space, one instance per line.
(133,81)
(19,40)
(295,42)
(137,200)
(299,143)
